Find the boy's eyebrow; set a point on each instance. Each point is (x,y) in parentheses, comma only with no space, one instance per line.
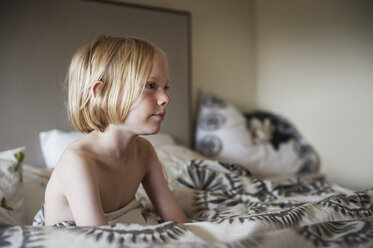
(158,79)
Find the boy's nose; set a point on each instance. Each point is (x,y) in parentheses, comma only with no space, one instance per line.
(164,99)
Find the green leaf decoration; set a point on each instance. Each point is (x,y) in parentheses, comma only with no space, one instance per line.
(4,204)
(19,156)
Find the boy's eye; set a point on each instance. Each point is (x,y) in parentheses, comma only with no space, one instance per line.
(150,85)
(166,88)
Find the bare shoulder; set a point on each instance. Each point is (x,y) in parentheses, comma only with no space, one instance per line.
(74,163)
(73,190)
(145,146)
(147,153)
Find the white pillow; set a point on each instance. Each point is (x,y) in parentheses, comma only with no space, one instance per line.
(54,142)
(222,134)
(12,210)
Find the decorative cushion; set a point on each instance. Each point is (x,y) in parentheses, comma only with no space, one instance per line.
(12,210)
(223,133)
(276,131)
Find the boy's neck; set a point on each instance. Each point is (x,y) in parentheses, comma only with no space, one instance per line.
(115,142)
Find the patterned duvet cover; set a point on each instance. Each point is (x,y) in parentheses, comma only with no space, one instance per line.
(228,207)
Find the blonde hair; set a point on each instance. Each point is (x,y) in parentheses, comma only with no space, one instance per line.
(122,65)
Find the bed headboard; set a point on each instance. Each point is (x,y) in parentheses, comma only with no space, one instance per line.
(38,39)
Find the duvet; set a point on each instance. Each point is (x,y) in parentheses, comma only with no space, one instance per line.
(228,207)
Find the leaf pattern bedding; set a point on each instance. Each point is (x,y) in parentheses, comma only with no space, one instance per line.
(228,207)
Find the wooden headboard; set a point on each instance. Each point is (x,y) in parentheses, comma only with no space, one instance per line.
(38,39)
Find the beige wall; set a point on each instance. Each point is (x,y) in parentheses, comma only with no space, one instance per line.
(315,66)
(310,60)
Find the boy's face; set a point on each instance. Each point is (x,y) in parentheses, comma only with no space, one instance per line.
(147,116)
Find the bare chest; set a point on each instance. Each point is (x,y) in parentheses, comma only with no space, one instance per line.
(118,186)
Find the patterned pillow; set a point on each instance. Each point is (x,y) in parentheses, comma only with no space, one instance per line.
(12,210)
(224,134)
(276,131)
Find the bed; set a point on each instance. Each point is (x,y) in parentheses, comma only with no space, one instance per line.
(253,204)
(250,180)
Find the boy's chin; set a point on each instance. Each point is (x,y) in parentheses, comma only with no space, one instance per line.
(151,132)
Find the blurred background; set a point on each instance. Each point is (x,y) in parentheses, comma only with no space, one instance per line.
(310,61)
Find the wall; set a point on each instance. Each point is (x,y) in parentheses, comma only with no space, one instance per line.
(222,47)
(314,63)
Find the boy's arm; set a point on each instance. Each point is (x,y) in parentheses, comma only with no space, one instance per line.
(157,189)
(80,186)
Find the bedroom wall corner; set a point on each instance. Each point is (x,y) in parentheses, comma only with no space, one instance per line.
(315,66)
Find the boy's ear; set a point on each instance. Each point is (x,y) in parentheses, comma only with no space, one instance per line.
(96,89)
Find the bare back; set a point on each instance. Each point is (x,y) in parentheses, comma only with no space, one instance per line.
(88,183)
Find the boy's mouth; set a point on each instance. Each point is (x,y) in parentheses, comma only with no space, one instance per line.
(160,115)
